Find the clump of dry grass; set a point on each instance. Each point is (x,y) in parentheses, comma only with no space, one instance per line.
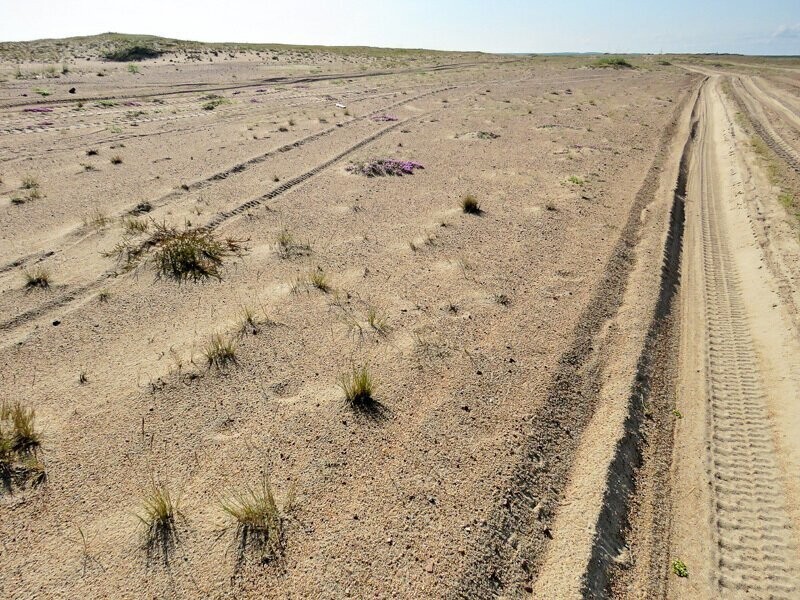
(20,441)
(158,515)
(97,219)
(116,159)
(470,205)
(358,386)
(377,320)
(319,279)
(286,246)
(220,351)
(37,278)
(181,255)
(134,226)
(259,520)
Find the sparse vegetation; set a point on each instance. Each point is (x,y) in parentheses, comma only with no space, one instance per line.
(382,167)
(613,62)
(20,441)
(377,320)
(358,387)
(134,226)
(287,247)
(131,53)
(158,515)
(220,352)
(97,219)
(133,69)
(37,278)
(470,205)
(116,159)
(319,279)
(214,103)
(29,182)
(679,568)
(259,520)
(574,179)
(104,295)
(181,255)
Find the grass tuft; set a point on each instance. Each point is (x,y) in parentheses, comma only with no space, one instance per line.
(613,62)
(319,279)
(287,247)
(134,226)
(37,278)
(158,514)
(220,351)
(470,205)
(259,520)
(185,255)
(358,387)
(679,568)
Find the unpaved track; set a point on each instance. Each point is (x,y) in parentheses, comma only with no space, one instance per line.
(748,457)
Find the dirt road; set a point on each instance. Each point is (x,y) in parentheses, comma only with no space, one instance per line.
(750,383)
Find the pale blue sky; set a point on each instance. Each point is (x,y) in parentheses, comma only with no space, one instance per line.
(753,27)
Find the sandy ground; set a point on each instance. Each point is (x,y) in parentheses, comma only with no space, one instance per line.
(510,337)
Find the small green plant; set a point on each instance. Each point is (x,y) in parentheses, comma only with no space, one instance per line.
(574,179)
(220,351)
(106,103)
(249,321)
(679,568)
(677,414)
(37,278)
(470,205)
(133,69)
(358,387)
(116,159)
(259,520)
(42,92)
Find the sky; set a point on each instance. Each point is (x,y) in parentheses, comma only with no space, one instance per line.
(747,27)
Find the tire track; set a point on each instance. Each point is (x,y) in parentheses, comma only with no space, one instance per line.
(755,554)
(749,105)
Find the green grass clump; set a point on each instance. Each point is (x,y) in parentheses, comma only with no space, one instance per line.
(358,386)
(259,520)
(37,278)
(574,179)
(679,568)
(470,205)
(133,69)
(613,62)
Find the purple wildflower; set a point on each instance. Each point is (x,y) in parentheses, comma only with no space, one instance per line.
(385,166)
(379,118)
(38,109)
